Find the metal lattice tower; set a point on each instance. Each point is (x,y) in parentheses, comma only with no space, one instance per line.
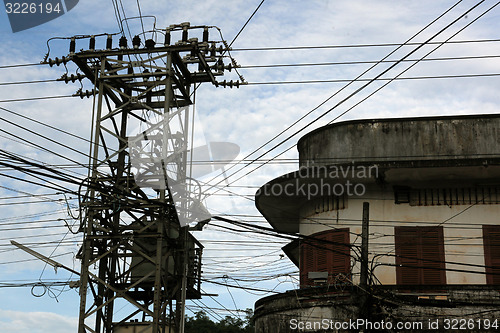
(139,262)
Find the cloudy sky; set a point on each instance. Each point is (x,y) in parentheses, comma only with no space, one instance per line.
(300,59)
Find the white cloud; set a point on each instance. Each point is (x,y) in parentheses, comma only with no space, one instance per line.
(36,322)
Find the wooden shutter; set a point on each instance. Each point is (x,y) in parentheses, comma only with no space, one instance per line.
(491,243)
(407,252)
(308,261)
(420,255)
(328,252)
(432,245)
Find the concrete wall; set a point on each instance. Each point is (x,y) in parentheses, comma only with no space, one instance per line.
(402,139)
(322,310)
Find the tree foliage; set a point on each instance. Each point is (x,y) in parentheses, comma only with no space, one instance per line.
(201,323)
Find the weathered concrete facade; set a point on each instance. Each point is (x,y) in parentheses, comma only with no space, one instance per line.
(420,176)
(326,309)
(410,139)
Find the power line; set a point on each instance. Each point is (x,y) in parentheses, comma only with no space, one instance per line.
(42,136)
(117,16)
(71,166)
(38,184)
(31,167)
(332,80)
(29,196)
(27,223)
(325,101)
(277,233)
(21,65)
(34,98)
(26,203)
(27,82)
(37,236)
(365,62)
(240,287)
(373,80)
(280,48)
(13,156)
(309,47)
(50,126)
(287,235)
(55,174)
(33,284)
(140,15)
(31,259)
(214,314)
(69,242)
(379,79)
(246,23)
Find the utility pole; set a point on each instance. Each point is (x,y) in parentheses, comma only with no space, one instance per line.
(363,281)
(139,263)
(364,245)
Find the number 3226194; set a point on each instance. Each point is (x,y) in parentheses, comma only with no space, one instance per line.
(469,324)
(32,8)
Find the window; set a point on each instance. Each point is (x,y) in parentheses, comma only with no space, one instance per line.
(328,252)
(419,256)
(491,242)
(480,195)
(323,204)
(402,194)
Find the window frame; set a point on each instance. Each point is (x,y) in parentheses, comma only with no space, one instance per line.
(330,253)
(491,262)
(420,255)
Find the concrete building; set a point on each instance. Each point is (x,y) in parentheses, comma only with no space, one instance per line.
(433,189)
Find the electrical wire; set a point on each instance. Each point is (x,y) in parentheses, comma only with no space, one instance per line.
(140,15)
(312,47)
(458,76)
(426,77)
(367,62)
(44,137)
(315,47)
(277,233)
(328,99)
(44,124)
(34,98)
(27,82)
(368,83)
(246,23)
(21,65)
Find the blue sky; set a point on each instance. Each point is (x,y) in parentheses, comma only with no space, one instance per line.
(248,116)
